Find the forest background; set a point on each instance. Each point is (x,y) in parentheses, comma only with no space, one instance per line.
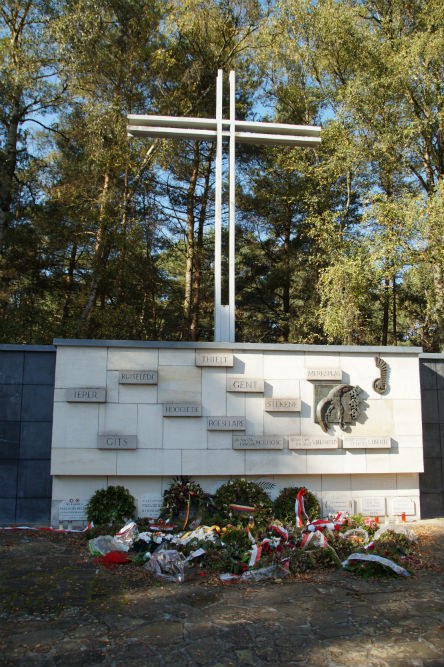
(106,237)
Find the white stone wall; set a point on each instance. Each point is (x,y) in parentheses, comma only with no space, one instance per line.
(169,446)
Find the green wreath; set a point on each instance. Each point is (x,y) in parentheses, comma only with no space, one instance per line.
(181,490)
(245,493)
(112,505)
(284,504)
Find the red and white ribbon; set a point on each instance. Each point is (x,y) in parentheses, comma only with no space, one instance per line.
(299,508)
(281,530)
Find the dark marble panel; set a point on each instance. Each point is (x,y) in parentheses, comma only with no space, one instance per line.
(39,368)
(431,437)
(9,440)
(10,402)
(34,480)
(11,367)
(431,478)
(430,412)
(432,505)
(35,440)
(7,510)
(8,478)
(37,402)
(33,510)
(427,374)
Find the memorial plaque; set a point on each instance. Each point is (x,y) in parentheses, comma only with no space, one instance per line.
(150,506)
(117,442)
(227,423)
(213,358)
(86,395)
(282,404)
(323,374)
(138,377)
(334,504)
(312,442)
(245,384)
(403,506)
(367,442)
(182,410)
(373,506)
(73,509)
(258,442)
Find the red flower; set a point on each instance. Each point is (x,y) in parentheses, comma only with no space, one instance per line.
(279,547)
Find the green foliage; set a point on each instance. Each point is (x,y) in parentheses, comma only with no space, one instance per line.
(182,489)
(304,560)
(284,504)
(243,492)
(112,505)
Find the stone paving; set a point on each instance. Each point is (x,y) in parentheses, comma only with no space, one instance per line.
(59,608)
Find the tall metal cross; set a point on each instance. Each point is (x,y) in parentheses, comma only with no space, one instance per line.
(210,129)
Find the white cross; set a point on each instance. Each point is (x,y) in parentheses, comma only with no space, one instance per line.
(208,129)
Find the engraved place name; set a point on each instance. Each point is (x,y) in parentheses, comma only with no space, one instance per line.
(117,441)
(138,377)
(373,506)
(245,384)
(282,404)
(323,373)
(312,442)
(214,359)
(367,442)
(86,395)
(337,504)
(182,410)
(257,442)
(227,423)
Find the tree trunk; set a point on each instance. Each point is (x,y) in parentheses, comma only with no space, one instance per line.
(8,170)
(190,242)
(102,251)
(69,286)
(194,329)
(286,280)
(385,317)
(395,333)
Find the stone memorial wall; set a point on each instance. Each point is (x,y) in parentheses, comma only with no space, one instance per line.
(139,413)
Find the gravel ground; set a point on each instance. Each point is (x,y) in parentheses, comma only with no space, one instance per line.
(59,608)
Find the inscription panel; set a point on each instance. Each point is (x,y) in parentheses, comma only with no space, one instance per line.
(86,395)
(403,506)
(73,509)
(150,506)
(257,442)
(117,441)
(227,423)
(312,442)
(373,506)
(182,410)
(367,442)
(282,404)
(245,384)
(218,358)
(323,374)
(138,377)
(334,504)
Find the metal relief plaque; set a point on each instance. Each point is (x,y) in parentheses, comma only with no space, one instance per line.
(214,358)
(258,442)
(138,377)
(117,441)
(312,442)
(323,373)
(182,410)
(245,384)
(367,442)
(282,404)
(86,395)
(227,423)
